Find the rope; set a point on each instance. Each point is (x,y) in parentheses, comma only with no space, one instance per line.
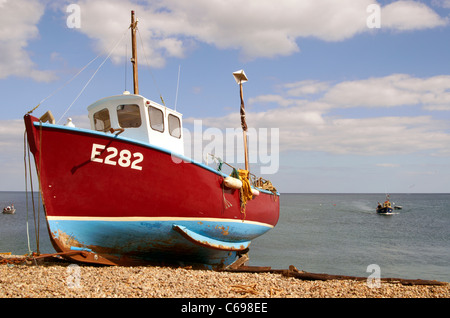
(40,192)
(219,165)
(36,230)
(227,204)
(25,144)
(220,162)
(32,190)
(246,190)
(98,68)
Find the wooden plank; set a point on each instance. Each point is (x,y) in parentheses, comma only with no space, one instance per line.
(294,272)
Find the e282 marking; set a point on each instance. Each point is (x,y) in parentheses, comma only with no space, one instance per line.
(125,157)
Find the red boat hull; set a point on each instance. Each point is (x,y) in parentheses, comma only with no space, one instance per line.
(92,177)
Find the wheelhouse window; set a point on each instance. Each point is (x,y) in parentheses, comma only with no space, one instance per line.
(102,121)
(174,126)
(129,116)
(156,118)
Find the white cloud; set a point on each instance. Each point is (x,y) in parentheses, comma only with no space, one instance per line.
(11,155)
(18,26)
(273,98)
(392,90)
(170,28)
(441,3)
(11,135)
(307,125)
(106,22)
(409,15)
(257,28)
(372,92)
(304,88)
(12,152)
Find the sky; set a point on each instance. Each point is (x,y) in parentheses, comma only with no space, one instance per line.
(358,91)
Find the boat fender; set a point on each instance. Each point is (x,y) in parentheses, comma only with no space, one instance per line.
(255,192)
(232,183)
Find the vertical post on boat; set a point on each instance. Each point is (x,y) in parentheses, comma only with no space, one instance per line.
(133,27)
(240,78)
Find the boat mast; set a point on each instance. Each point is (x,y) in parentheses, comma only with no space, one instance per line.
(240,78)
(244,127)
(133,27)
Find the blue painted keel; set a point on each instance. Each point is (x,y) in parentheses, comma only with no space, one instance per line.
(209,242)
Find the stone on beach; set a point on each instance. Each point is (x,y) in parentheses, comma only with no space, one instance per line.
(65,280)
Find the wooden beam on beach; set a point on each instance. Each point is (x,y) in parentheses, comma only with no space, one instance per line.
(294,272)
(314,276)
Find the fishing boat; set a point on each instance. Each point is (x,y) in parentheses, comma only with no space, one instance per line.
(124,193)
(9,209)
(386,207)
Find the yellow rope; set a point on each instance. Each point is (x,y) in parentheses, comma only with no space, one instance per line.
(246,190)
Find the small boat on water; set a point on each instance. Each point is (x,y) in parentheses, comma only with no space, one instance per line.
(9,209)
(386,207)
(123,193)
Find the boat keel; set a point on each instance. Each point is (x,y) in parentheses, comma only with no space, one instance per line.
(210,242)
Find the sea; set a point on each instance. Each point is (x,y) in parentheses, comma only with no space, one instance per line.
(339,234)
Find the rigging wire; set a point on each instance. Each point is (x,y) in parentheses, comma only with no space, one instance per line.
(65,84)
(98,68)
(125,64)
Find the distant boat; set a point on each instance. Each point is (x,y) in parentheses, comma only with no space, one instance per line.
(386,207)
(9,209)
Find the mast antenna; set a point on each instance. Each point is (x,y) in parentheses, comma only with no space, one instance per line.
(178,85)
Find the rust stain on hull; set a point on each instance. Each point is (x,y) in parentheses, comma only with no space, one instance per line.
(69,248)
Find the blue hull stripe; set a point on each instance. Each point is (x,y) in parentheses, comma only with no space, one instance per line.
(156,238)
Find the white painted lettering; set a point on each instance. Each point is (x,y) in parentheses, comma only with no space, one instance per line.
(140,158)
(112,153)
(95,153)
(125,159)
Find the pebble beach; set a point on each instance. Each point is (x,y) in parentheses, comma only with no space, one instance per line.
(65,280)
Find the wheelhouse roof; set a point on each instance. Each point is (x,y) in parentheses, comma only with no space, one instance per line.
(128,97)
